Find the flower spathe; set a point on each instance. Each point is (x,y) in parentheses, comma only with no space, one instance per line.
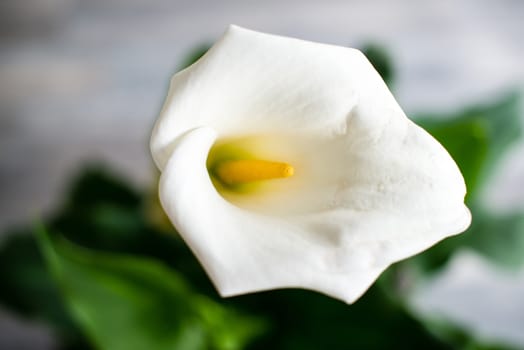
(287,163)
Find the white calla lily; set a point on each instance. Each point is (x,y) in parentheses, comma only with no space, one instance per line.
(352,184)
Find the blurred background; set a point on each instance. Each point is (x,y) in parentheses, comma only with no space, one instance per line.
(83,81)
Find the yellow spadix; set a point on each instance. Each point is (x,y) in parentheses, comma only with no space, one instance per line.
(237,172)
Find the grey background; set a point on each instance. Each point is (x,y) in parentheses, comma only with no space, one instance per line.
(84,80)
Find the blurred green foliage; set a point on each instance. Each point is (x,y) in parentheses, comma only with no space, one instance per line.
(478,139)
(123,302)
(194,55)
(107,275)
(381,60)
(29,290)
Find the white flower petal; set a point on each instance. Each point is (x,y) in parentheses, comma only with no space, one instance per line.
(339,252)
(370,188)
(243,251)
(252,83)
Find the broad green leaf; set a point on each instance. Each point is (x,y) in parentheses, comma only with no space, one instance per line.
(124,302)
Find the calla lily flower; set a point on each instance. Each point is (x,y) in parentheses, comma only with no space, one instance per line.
(289,164)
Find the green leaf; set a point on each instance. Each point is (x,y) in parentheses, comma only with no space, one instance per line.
(381,60)
(305,320)
(499,238)
(95,185)
(29,290)
(194,55)
(103,212)
(478,137)
(467,142)
(100,210)
(124,302)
